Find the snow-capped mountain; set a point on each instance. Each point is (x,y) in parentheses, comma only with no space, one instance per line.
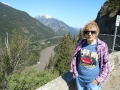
(5,3)
(57,25)
(45,16)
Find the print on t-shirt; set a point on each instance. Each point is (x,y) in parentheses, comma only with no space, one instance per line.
(88,59)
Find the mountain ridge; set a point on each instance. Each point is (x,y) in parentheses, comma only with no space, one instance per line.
(13,19)
(57,25)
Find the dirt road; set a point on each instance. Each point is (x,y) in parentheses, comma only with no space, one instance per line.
(44,58)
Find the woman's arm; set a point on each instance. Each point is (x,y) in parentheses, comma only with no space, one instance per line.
(105,65)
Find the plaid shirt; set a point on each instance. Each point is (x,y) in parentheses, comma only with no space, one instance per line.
(103,58)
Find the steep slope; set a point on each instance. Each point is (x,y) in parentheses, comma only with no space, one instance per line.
(58,26)
(106,17)
(11,19)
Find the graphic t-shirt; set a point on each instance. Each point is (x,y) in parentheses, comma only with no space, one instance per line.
(88,66)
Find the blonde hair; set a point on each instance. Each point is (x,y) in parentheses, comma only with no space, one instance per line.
(90,25)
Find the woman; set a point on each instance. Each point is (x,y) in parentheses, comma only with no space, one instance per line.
(90,63)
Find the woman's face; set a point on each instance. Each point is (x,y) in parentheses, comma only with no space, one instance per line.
(90,34)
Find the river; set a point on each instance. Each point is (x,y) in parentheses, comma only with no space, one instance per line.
(44,58)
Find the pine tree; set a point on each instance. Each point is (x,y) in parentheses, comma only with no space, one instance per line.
(63,54)
(80,36)
(12,56)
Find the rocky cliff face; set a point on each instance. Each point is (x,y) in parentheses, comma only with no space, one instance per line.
(106,18)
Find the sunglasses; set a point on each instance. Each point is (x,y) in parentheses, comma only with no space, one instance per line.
(87,32)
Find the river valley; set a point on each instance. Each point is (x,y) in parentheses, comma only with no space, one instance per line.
(45,54)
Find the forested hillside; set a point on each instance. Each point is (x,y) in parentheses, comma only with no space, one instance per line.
(16,54)
(21,40)
(13,19)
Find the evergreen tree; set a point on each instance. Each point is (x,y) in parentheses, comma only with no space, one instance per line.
(19,53)
(63,54)
(80,36)
(12,56)
(5,67)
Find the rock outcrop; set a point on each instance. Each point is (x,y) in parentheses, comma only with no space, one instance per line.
(106,18)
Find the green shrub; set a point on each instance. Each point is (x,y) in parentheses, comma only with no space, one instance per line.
(29,80)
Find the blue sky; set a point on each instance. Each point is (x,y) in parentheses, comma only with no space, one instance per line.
(75,13)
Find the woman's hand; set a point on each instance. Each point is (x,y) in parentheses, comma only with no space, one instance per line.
(95,82)
(76,75)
